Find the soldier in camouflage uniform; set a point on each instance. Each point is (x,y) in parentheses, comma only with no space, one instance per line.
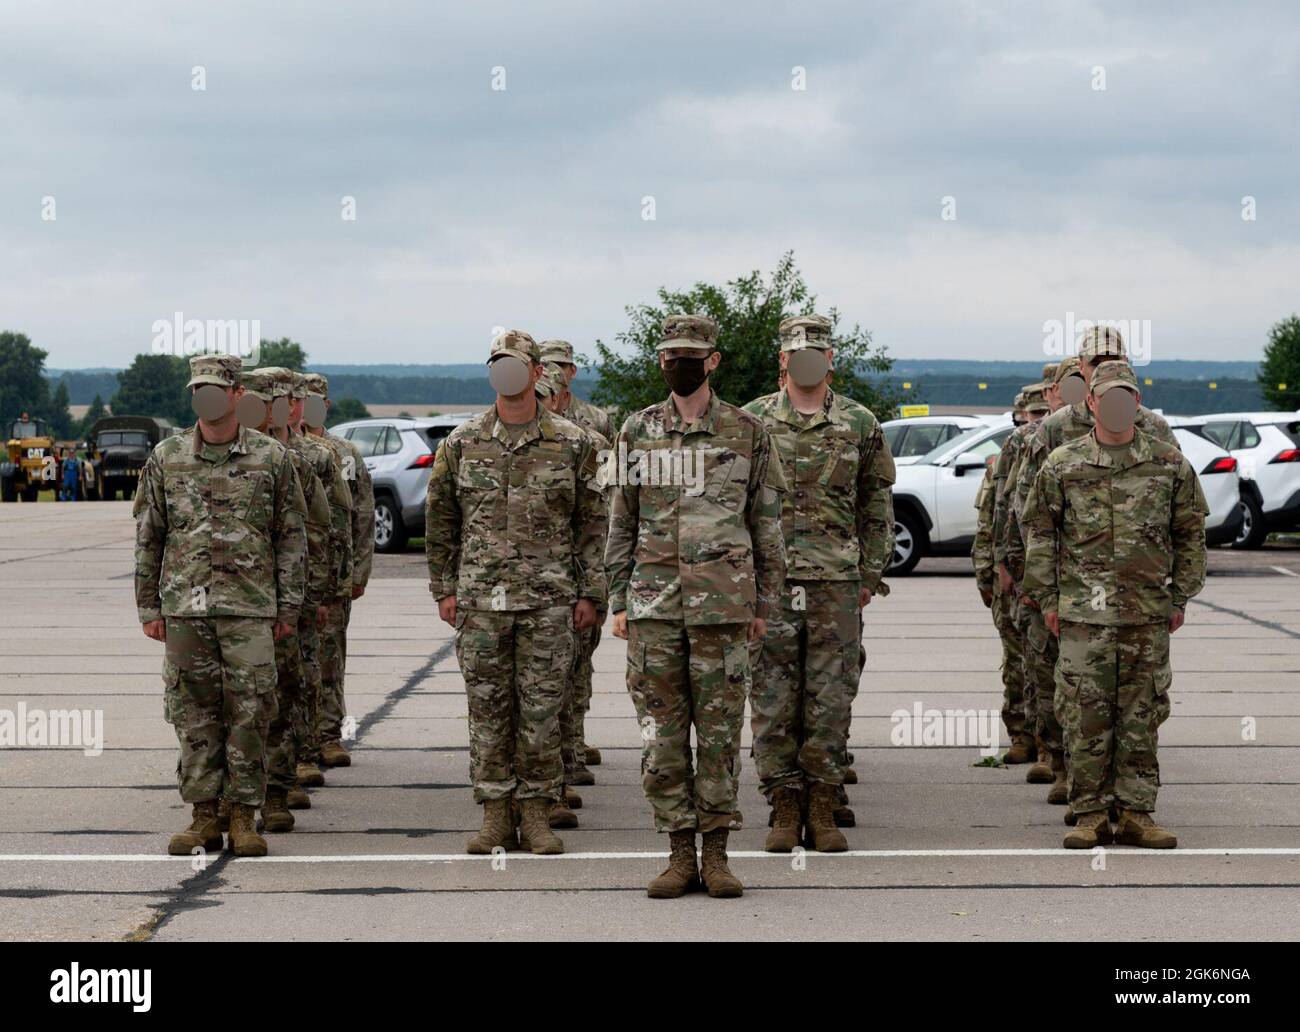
(355,537)
(557,356)
(1068,423)
(513,530)
(1115,547)
(553,392)
(219,577)
(290,730)
(837,519)
(696,564)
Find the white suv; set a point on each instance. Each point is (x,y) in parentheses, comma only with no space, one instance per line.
(910,439)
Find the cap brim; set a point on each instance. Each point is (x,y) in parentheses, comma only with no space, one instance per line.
(806,345)
(262,395)
(1101,389)
(522,356)
(196,381)
(687,344)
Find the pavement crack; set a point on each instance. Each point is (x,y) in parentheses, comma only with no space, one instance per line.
(391,700)
(185,896)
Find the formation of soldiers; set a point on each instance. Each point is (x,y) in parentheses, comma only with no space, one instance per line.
(1091,541)
(254,534)
(736,549)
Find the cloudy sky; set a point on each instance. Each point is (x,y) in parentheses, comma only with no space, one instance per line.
(478,207)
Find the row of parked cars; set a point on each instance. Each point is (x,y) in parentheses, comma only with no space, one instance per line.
(1248,464)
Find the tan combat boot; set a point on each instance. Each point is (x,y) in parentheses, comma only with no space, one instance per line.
(571,799)
(203,833)
(298,799)
(498,828)
(561,816)
(717,876)
(223,815)
(850,776)
(581,776)
(1059,793)
(244,839)
(826,837)
(844,817)
(591,755)
(1040,772)
(786,821)
(535,832)
(1022,750)
(1138,829)
(333,754)
(1091,829)
(310,776)
(681,875)
(275,811)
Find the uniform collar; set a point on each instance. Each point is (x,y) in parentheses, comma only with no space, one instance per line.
(239,446)
(707,423)
(1139,451)
(832,411)
(542,425)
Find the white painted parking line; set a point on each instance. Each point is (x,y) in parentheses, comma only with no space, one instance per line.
(427,858)
(1283,569)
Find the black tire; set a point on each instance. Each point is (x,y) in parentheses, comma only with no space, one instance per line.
(31,493)
(8,491)
(909,544)
(1253,531)
(106,493)
(390,531)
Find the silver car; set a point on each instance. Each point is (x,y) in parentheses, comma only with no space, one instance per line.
(398,452)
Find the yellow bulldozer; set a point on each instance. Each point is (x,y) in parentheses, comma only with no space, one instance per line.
(30,465)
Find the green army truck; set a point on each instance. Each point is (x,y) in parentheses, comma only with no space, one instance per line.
(116,450)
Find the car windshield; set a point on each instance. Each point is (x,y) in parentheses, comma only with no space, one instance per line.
(923,438)
(953,445)
(24,429)
(114,438)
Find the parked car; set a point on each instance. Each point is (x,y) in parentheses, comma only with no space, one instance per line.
(1222,487)
(934,497)
(910,439)
(398,452)
(1266,446)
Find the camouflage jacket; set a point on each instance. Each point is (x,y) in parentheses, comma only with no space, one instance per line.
(320,568)
(325,461)
(1066,424)
(223,538)
(584,413)
(1003,470)
(1131,530)
(362,489)
(516,526)
(700,544)
(981,552)
(837,514)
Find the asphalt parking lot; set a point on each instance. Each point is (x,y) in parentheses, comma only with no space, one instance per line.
(943,849)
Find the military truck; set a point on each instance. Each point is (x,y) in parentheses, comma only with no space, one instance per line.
(29,465)
(116,450)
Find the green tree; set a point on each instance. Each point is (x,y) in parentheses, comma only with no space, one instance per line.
(1281,365)
(93,414)
(154,385)
(283,352)
(344,410)
(62,425)
(23,387)
(748,311)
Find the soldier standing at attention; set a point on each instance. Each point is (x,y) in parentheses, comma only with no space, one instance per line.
(557,356)
(219,574)
(355,539)
(696,566)
(837,519)
(513,530)
(1115,546)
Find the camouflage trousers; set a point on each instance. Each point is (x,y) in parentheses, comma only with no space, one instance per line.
(805,678)
(1112,695)
(1041,650)
(577,700)
(333,663)
(679,677)
(1008,619)
(291,712)
(219,693)
(307,731)
(515,666)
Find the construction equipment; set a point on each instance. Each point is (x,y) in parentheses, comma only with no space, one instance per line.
(30,465)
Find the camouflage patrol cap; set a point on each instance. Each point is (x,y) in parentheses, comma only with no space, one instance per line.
(259,382)
(552,382)
(805,331)
(559,351)
(1066,367)
(1019,404)
(1113,374)
(689,331)
(222,370)
(280,381)
(316,384)
(1035,398)
(518,344)
(1049,372)
(1101,342)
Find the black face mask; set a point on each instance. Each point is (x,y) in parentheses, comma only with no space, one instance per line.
(684,376)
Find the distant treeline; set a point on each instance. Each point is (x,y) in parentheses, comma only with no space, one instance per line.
(1177,397)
